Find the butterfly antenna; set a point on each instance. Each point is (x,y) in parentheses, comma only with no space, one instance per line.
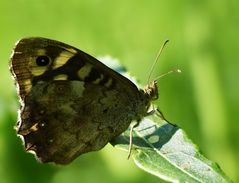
(156,59)
(167,73)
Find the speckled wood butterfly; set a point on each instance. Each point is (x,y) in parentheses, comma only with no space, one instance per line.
(71,103)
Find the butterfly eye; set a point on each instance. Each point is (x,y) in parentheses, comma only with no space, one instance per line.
(42,60)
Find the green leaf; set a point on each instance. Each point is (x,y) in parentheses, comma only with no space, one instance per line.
(164,150)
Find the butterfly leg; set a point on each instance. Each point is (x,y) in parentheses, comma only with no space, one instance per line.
(157,112)
(132,126)
(160,114)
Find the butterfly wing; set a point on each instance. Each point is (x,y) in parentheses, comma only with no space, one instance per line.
(71,102)
(65,63)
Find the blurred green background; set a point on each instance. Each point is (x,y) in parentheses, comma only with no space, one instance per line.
(203,100)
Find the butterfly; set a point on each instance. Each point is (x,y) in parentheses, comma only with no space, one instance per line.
(71,103)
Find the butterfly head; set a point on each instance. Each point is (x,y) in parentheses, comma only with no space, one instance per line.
(151,91)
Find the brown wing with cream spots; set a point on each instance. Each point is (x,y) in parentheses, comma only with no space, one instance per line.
(73,103)
(40,59)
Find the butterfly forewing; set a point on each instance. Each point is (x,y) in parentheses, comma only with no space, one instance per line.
(66,63)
